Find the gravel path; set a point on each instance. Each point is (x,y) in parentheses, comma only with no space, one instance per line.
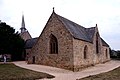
(62,74)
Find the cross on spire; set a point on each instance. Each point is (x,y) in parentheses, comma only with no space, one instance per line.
(53,9)
(96,25)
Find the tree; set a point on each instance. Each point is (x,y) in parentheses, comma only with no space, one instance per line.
(10,42)
(118,53)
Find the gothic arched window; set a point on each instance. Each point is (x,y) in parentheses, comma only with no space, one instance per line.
(85,52)
(97,43)
(53,45)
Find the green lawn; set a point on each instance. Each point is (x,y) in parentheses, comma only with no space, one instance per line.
(12,72)
(112,75)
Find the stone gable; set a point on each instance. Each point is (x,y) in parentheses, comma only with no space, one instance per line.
(41,50)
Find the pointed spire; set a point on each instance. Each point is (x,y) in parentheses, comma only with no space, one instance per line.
(23,29)
(23,22)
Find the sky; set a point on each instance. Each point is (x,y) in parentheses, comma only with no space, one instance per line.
(88,13)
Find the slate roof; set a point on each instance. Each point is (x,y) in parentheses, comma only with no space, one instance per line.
(77,30)
(104,43)
(30,42)
(80,32)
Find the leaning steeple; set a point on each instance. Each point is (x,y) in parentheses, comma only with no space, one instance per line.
(23,29)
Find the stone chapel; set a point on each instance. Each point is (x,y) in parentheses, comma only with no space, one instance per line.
(68,45)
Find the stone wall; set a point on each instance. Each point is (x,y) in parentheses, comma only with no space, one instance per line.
(41,50)
(25,35)
(78,48)
(106,54)
(27,53)
(93,57)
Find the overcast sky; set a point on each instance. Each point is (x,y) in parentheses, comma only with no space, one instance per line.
(105,13)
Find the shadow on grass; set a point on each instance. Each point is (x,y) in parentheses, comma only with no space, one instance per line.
(10,71)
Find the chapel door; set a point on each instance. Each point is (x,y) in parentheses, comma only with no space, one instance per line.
(33,60)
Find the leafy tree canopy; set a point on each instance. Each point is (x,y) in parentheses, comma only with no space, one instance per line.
(10,41)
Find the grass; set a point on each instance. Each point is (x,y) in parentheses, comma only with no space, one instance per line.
(12,72)
(111,75)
